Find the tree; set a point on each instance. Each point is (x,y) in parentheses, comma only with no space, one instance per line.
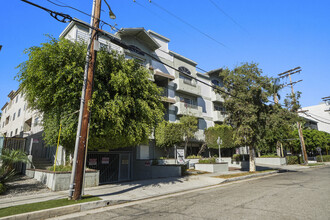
(313,139)
(125,105)
(247,107)
(189,128)
(168,135)
(225,132)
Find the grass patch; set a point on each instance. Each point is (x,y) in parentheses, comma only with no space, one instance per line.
(315,164)
(227,176)
(19,209)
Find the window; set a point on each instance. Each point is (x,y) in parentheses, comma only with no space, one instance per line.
(16,131)
(3,124)
(11,133)
(184,70)
(24,106)
(135,49)
(189,102)
(14,115)
(7,120)
(215,82)
(18,113)
(6,110)
(36,121)
(16,98)
(220,107)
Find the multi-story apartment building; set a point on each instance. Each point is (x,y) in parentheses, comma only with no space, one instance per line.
(182,95)
(17,119)
(318,116)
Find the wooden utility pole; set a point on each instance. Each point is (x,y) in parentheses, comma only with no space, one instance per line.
(301,136)
(82,147)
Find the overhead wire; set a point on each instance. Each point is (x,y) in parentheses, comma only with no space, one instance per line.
(316,118)
(228,16)
(125,46)
(187,23)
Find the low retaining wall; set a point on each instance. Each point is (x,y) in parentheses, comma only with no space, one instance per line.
(191,162)
(236,164)
(58,181)
(143,169)
(271,160)
(212,168)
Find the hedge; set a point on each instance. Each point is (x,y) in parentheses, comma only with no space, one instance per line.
(294,160)
(207,161)
(2,188)
(326,158)
(269,155)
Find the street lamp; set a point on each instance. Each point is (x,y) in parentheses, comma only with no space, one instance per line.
(219,142)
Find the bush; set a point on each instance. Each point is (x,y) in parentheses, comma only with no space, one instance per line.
(61,168)
(326,158)
(194,157)
(154,162)
(207,161)
(269,155)
(237,157)
(2,188)
(294,160)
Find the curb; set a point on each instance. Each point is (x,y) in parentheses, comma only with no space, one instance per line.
(70,209)
(250,176)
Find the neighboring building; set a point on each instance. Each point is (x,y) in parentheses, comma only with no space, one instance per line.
(318,115)
(22,127)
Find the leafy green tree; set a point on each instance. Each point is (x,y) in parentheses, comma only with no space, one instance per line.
(125,105)
(189,128)
(168,135)
(247,107)
(313,139)
(225,132)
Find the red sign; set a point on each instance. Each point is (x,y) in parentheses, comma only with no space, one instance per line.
(92,162)
(105,160)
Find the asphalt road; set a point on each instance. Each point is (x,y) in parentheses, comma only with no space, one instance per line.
(293,195)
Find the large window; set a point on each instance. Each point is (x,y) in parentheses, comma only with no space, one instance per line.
(219,107)
(189,102)
(18,113)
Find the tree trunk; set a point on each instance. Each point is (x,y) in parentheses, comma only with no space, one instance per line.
(202,149)
(185,148)
(252,159)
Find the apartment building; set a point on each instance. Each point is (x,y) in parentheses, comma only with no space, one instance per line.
(317,116)
(17,119)
(182,95)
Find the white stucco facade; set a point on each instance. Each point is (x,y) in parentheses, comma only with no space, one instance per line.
(319,113)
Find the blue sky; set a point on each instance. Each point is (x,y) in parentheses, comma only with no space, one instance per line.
(278,34)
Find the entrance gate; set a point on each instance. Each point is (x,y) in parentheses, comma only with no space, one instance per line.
(113,167)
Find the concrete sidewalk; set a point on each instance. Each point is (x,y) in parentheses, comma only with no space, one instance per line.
(133,191)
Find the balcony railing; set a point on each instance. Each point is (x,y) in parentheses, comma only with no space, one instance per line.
(189,82)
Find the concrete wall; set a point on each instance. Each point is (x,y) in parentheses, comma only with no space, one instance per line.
(271,161)
(61,180)
(143,169)
(239,164)
(212,168)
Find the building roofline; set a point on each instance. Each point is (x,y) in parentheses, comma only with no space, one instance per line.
(4,106)
(183,58)
(158,35)
(214,71)
(203,75)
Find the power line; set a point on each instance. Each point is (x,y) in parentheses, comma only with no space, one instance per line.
(68,6)
(228,16)
(190,25)
(318,116)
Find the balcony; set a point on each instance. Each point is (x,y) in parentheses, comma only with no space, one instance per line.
(188,109)
(219,116)
(188,86)
(165,97)
(216,97)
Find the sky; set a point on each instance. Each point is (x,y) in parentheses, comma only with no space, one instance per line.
(277,34)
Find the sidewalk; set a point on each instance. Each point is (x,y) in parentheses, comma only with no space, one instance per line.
(137,190)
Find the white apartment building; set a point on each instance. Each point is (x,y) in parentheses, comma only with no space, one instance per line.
(17,119)
(320,114)
(182,95)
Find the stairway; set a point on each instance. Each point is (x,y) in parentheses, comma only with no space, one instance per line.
(42,163)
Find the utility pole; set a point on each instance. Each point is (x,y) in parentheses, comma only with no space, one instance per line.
(82,146)
(301,136)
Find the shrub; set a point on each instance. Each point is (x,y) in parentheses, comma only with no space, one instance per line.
(207,161)
(326,158)
(237,157)
(2,188)
(269,155)
(61,168)
(154,162)
(194,157)
(294,160)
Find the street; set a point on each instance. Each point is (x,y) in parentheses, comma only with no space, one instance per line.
(293,195)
